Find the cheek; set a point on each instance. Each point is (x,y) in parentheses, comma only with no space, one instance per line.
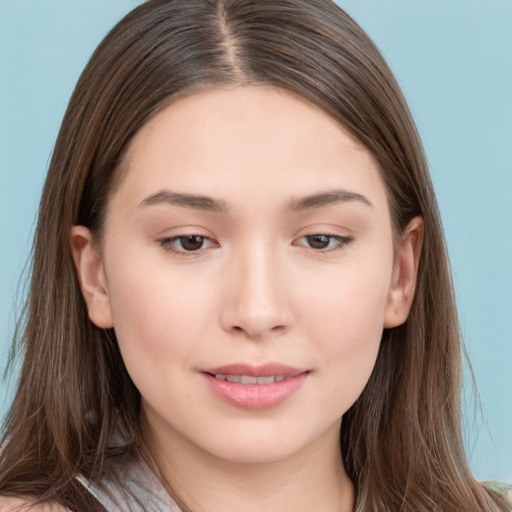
(159,320)
(348,302)
(345,319)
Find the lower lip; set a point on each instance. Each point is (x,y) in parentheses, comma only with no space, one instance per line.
(255,396)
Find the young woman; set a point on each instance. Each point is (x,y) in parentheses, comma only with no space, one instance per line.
(241,297)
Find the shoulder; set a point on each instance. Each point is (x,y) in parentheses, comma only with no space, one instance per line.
(8,504)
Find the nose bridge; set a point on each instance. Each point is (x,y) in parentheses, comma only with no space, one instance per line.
(256,301)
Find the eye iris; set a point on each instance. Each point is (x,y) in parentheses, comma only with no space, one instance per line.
(318,241)
(192,242)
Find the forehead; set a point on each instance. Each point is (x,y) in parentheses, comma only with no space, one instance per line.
(241,140)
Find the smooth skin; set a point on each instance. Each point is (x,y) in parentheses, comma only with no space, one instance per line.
(255,274)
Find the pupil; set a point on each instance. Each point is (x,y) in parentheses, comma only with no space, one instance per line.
(318,241)
(191,243)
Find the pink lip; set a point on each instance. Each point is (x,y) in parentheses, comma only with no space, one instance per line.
(255,396)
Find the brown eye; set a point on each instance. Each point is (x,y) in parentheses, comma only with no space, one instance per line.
(192,242)
(323,242)
(318,241)
(187,244)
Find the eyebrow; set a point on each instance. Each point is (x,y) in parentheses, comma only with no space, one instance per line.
(329,197)
(194,201)
(206,203)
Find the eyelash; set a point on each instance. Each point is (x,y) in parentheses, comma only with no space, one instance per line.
(167,243)
(341,241)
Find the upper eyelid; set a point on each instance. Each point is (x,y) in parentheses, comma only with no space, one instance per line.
(325,233)
(207,237)
(173,238)
(343,240)
(167,242)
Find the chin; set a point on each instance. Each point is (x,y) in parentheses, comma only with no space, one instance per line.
(238,453)
(265,444)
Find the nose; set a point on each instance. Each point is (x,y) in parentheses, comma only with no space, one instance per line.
(256,301)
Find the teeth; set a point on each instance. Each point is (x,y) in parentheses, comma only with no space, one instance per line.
(266,380)
(251,379)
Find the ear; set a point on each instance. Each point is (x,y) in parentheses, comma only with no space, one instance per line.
(405,272)
(91,274)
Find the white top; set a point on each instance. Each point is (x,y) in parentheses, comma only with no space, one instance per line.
(144,487)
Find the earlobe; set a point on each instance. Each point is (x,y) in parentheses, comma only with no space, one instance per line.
(91,274)
(405,272)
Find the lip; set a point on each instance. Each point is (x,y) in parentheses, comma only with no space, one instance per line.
(265,370)
(256,396)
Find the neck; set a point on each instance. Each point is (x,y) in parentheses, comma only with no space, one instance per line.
(312,479)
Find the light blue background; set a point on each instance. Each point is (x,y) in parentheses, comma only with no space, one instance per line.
(453,59)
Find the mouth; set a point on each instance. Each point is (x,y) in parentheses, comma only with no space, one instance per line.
(251,379)
(255,387)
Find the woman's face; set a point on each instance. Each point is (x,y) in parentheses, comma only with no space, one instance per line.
(248,241)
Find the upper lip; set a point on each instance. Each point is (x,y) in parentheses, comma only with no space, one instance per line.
(265,370)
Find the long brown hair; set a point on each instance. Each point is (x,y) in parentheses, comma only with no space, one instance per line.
(401,440)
